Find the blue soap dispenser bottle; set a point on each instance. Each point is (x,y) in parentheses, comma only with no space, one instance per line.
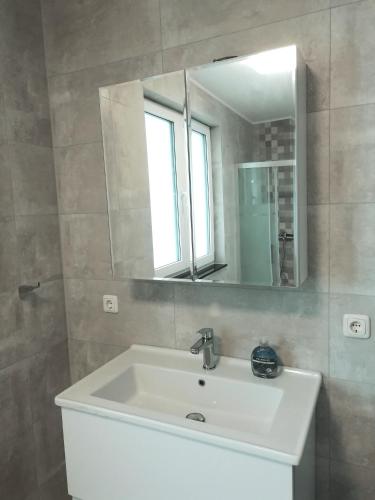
(264,361)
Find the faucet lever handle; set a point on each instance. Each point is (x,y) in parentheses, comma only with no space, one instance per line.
(206,333)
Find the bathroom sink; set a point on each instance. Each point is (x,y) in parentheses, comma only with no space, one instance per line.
(157,388)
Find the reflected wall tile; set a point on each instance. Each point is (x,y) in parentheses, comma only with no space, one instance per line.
(350,482)
(295,323)
(86,356)
(85,242)
(74,97)
(318,157)
(318,248)
(34,184)
(38,241)
(352,408)
(8,256)
(81,179)
(17,467)
(189,21)
(146,312)
(352,49)
(352,258)
(79,35)
(49,444)
(15,414)
(352,177)
(311,33)
(55,488)
(49,375)
(349,358)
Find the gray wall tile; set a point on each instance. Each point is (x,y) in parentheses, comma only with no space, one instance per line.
(352,176)
(87,356)
(55,488)
(352,408)
(6,193)
(80,35)
(353,44)
(34,184)
(146,312)
(350,482)
(318,157)
(192,20)
(81,179)
(74,97)
(38,241)
(85,246)
(349,358)
(8,256)
(352,257)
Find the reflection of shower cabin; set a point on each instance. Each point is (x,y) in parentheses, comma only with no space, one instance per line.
(271,249)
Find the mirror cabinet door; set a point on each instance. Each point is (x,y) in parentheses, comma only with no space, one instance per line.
(246,129)
(206,172)
(145,148)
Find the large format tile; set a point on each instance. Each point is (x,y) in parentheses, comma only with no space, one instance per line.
(351,359)
(85,243)
(41,319)
(49,375)
(81,178)
(17,467)
(311,33)
(6,193)
(352,177)
(193,20)
(352,258)
(318,248)
(38,241)
(15,404)
(350,482)
(80,35)
(8,256)
(352,409)
(322,485)
(146,312)
(74,97)
(295,323)
(55,488)
(34,184)
(49,444)
(353,45)
(318,157)
(86,356)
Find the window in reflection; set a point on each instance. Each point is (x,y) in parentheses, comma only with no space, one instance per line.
(201,172)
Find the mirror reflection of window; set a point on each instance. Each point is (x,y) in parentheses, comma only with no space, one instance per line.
(165,137)
(201,173)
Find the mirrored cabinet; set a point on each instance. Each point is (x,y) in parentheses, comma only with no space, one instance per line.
(206,172)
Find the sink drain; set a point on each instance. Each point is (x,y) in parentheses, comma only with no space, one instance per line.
(196,416)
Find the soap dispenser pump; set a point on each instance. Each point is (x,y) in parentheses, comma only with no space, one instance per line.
(264,361)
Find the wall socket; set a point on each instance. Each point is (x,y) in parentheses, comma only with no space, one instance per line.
(356,326)
(110,304)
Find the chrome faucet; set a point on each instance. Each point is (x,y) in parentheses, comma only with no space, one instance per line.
(206,342)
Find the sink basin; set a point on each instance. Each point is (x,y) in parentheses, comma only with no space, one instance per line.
(157,388)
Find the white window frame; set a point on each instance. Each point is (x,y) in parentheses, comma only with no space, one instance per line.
(210,257)
(182,183)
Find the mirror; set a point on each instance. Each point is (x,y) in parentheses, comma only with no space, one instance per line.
(206,172)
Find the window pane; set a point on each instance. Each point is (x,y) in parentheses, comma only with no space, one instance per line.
(200,194)
(163,190)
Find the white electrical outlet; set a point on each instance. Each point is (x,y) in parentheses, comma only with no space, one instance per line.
(110,304)
(356,326)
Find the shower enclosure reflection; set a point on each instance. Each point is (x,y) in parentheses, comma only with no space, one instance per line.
(206,172)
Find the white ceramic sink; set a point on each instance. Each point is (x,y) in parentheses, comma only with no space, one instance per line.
(157,388)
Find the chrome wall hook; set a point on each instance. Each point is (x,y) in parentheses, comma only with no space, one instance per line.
(24,290)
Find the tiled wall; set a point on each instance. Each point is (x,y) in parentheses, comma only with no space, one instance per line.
(34,362)
(90,44)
